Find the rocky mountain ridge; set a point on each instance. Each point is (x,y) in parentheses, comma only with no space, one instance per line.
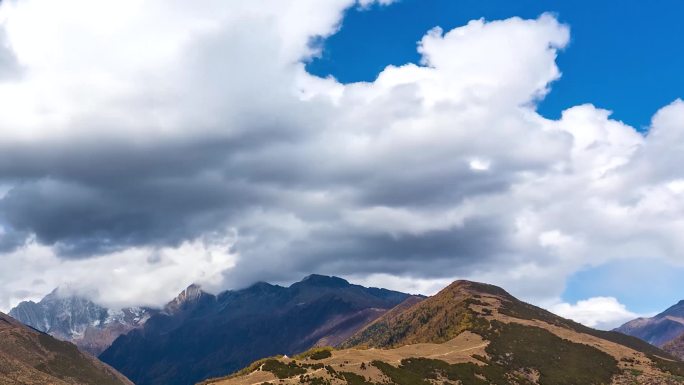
(665,330)
(72,318)
(187,297)
(200,335)
(471,334)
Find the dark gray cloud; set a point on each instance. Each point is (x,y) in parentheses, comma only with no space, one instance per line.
(212,156)
(219,140)
(345,251)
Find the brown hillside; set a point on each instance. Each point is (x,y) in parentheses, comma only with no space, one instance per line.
(434,320)
(29,357)
(473,334)
(676,347)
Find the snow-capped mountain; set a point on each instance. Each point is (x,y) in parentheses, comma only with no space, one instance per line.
(91,327)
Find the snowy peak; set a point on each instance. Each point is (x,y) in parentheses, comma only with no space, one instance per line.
(79,320)
(65,317)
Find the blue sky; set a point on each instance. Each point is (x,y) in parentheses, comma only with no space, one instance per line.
(644,286)
(622,58)
(625,58)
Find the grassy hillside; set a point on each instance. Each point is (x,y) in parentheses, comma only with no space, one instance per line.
(477,334)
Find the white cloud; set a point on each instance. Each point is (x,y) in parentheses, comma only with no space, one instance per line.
(140,129)
(408,284)
(479,164)
(140,275)
(597,312)
(367,3)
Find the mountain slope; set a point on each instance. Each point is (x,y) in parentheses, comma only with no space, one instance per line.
(676,347)
(201,335)
(660,329)
(473,334)
(29,357)
(78,320)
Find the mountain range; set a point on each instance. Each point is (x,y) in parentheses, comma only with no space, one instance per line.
(73,318)
(470,334)
(326,331)
(30,357)
(200,335)
(665,330)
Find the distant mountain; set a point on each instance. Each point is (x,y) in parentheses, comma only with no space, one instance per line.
(657,330)
(187,298)
(199,335)
(78,320)
(661,330)
(471,334)
(30,357)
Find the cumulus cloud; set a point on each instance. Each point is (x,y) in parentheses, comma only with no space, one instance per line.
(597,312)
(139,128)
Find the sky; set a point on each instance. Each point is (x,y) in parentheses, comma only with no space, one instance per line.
(624,59)
(536,145)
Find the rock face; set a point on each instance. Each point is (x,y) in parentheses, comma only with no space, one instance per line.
(188,297)
(199,335)
(29,357)
(660,329)
(78,320)
(471,334)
